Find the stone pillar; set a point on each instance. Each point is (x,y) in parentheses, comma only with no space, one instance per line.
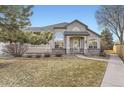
(67,44)
(64,42)
(85,45)
(98,43)
(53,41)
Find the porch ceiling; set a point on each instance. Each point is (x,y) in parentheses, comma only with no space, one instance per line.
(76,33)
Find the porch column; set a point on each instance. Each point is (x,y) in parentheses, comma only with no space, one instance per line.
(52,43)
(67,44)
(64,42)
(86,45)
(53,40)
(98,43)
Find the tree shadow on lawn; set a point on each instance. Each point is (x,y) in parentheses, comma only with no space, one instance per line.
(4,65)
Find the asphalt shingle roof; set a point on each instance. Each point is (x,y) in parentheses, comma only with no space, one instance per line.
(47,28)
(59,25)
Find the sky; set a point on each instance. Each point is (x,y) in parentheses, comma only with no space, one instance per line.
(46,15)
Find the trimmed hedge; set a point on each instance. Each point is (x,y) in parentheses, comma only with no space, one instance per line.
(38,56)
(58,55)
(47,55)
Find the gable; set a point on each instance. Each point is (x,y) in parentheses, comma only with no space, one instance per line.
(79,26)
(76,26)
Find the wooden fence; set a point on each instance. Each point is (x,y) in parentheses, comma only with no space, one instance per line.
(119,49)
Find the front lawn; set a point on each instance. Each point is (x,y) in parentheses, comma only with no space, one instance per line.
(38,72)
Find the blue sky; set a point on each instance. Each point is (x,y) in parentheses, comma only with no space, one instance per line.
(46,15)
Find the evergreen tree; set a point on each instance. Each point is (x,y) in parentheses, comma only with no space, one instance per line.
(12,20)
(106,40)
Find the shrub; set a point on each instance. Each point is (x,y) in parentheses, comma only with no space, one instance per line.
(103,54)
(15,49)
(58,55)
(46,55)
(29,56)
(38,56)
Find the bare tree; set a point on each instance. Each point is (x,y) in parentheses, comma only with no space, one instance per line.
(15,49)
(112,18)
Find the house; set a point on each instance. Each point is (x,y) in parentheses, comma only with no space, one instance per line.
(74,37)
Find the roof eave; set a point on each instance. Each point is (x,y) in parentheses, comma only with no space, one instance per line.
(94,32)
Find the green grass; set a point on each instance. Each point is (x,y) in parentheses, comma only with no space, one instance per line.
(66,72)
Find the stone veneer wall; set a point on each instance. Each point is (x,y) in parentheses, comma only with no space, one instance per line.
(92,52)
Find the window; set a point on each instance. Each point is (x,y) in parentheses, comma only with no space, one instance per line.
(59,40)
(75,29)
(92,44)
(59,44)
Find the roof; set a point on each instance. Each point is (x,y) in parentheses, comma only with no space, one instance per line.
(93,32)
(78,22)
(57,26)
(70,33)
(34,29)
(47,28)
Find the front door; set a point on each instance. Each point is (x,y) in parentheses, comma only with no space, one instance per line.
(76,45)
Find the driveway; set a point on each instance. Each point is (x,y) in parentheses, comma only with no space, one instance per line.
(114,75)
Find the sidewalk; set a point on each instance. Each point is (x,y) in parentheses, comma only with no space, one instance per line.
(114,75)
(97,59)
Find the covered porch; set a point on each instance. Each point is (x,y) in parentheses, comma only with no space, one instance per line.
(75,42)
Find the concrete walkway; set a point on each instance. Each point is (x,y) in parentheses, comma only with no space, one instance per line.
(114,75)
(97,59)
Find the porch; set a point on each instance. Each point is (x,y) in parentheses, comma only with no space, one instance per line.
(75,42)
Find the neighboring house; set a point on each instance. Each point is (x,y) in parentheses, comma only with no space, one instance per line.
(74,37)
